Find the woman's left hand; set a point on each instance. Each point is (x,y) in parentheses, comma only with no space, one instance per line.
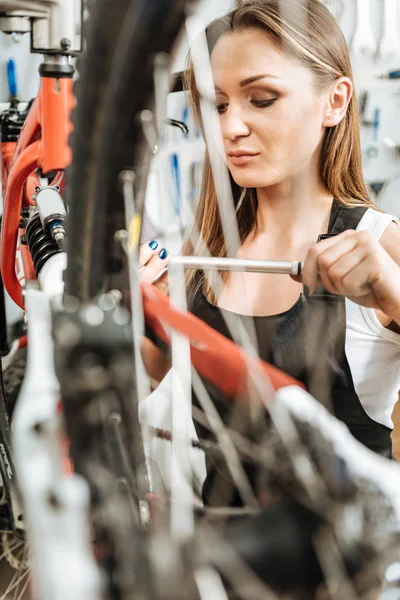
(355,265)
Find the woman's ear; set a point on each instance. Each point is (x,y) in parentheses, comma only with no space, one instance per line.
(338,100)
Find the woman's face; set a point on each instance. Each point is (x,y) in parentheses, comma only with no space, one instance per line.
(271,116)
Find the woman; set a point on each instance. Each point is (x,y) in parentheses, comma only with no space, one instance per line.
(289,121)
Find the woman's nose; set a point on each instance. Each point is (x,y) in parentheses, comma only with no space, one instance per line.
(233,124)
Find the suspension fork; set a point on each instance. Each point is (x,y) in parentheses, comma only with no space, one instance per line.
(51,112)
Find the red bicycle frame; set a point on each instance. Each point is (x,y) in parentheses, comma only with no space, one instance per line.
(43,143)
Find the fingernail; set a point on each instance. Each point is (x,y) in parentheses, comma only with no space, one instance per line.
(163,253)
(153,244)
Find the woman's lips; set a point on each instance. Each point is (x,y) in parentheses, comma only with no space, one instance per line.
(242,159)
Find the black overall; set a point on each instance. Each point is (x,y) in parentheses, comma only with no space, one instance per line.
(308,342)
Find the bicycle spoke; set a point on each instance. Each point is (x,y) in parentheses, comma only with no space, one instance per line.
(25,587)
(227,446)
(132,218)
(182,519)
(204,81)
(337,581)
(27,572)
(15,596)
(12,549)
(209,584)
(244,582)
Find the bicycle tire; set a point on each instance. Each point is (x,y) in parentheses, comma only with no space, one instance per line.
(117,84)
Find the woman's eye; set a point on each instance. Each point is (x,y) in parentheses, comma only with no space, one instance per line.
(221,108)
(263,103)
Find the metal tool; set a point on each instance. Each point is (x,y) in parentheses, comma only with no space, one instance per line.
(378,188)
(390,43)
(391,144)
(394,75)
(237,264)
(364,41)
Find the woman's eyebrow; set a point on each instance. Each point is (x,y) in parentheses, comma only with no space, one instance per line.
(256,78)
(252,79)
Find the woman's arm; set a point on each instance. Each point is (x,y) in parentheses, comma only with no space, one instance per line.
(390,240)
(156,363)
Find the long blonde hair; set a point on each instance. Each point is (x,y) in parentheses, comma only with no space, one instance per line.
(307,30)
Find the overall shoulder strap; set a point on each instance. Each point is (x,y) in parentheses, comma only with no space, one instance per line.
(342,218)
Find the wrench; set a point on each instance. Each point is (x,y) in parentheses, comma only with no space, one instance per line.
(390,43)
(364,41)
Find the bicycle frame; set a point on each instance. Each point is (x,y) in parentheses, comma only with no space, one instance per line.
(42,144)
(41,149)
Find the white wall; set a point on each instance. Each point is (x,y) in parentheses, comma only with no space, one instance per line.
(27,66)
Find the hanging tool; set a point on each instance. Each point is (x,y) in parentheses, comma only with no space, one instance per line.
(375,124)
(377,187)
(363,100)
(179,124)
(391,75)
(390,43)
(394,146)
(12,82)
(176,177)
(364,41)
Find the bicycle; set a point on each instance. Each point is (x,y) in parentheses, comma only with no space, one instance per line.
(34,153)
(321,475)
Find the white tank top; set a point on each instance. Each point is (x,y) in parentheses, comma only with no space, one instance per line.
(373,352)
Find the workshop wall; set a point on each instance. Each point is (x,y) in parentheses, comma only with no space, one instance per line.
(378,98)
(17,48)
(379,101)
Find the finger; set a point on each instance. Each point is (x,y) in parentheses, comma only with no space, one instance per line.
(161,281)
(298,278)
(337,260)
(153,268)
(329,255)
(334,239)
(147,251)
(311,267)
(375,272)
(338,273)
(356,281)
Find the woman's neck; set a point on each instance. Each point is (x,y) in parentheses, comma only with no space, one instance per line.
(293,206)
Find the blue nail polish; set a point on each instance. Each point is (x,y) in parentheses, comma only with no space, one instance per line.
(153,245)
(163,253)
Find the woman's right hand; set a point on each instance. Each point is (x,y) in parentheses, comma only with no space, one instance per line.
(153,262)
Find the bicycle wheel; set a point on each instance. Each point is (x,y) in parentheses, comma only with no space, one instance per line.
(117,84)
(115,80)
